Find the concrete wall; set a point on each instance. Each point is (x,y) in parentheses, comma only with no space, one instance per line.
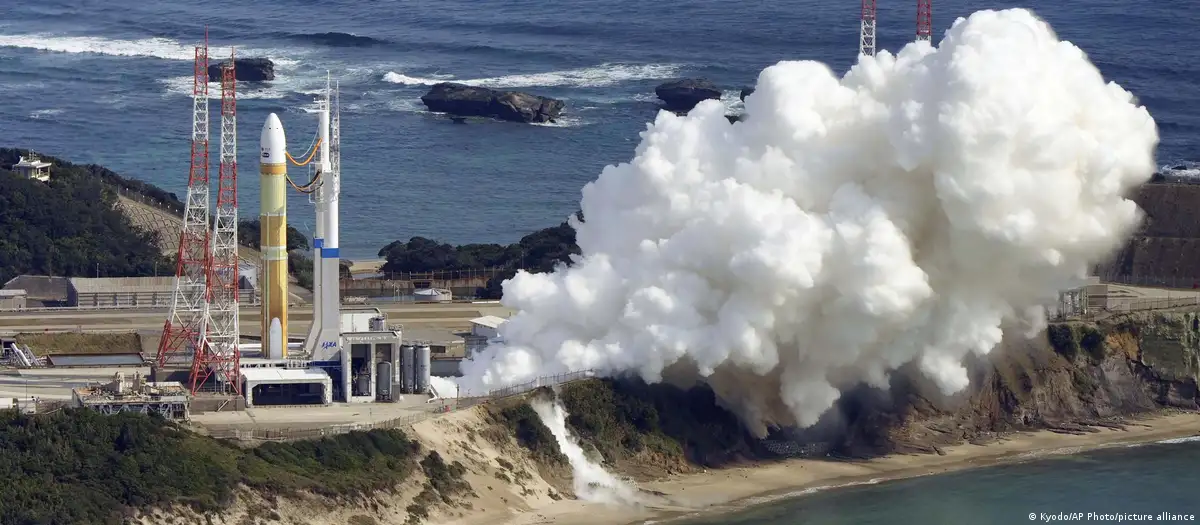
(445,367)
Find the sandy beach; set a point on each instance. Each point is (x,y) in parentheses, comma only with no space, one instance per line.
(730,489)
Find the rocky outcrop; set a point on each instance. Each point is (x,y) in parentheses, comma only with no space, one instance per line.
(683,95)
(471,101)
(245,70)
(747,91)
(1072,377)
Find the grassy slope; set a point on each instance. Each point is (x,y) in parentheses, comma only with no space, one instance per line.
(80,467)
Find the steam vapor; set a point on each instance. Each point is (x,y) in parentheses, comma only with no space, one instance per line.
(846,227)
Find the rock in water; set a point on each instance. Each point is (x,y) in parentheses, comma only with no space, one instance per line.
(746,91)
(471,101)
(245,70)
(683,95)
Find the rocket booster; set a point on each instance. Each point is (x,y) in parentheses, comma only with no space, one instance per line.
(272,169)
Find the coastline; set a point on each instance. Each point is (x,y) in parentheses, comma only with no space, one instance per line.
(714,492)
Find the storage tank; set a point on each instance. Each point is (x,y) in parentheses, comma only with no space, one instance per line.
(383,381)
(376,324)
(433,295)
(362,384)
(407,362)
(421,369)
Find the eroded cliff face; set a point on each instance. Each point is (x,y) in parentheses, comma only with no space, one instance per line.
(1071,377)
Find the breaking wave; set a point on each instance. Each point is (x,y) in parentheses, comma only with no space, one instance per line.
(598,76)
(335,39)
(163,48)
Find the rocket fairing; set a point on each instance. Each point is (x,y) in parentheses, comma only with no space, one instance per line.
(272,169)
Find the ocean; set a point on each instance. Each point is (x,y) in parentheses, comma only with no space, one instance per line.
(1128,482)
(109,83)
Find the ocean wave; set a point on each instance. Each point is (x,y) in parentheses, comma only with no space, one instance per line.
(598,76)
(1184,169)
(335,39)
(44,113)
(1176,441)
(279,88)
(163,48)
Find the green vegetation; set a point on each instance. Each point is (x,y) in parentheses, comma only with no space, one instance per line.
(77,466)
(539,251)
(627,419)
(444,481)
(1068,339)
(70,226)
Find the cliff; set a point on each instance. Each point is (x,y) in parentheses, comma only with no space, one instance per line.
(1166,247)
(1068,379)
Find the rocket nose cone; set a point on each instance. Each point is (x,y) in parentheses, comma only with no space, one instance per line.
(273,142)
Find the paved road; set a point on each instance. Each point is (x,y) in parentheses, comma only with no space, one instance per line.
(299,318)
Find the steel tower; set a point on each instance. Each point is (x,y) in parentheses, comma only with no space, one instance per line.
(185,332)
(221,357)
(924,20)
(866,33)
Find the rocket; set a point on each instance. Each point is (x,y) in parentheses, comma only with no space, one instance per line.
(324,336)
(272,170)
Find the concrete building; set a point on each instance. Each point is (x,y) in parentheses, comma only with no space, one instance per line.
(148,292)
(40,290)
(133,394)
(120,291)
(32,167)
(13,299)
(286,386)
(365,335)
(487,326)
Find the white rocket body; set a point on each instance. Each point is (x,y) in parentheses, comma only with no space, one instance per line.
(324,337)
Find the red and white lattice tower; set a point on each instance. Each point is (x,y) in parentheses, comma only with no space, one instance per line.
(866,33)
(220,358)
(924,20)
(186,330)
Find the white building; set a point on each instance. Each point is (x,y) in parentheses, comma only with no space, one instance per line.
(32,167)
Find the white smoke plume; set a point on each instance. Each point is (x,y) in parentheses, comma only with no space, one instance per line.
(846,227)
(591,481)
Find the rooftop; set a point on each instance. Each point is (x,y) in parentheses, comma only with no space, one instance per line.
(123,284)
(489,321)
(13,293)
(31,162)
(284,375)
(436,336)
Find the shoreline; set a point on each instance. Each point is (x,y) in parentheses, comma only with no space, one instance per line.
(714,492)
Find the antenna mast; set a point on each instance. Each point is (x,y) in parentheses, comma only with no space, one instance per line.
(924,20)
(866,33)
(221,357)
(185,333)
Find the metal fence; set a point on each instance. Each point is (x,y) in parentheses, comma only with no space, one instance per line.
(1124,307)
(441,407)
(1167,281)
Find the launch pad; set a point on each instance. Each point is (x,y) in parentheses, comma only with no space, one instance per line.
(347,356)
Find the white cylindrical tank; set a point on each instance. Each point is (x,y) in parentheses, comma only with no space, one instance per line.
(432,295)
(421,367)
(383,381)
(406,368)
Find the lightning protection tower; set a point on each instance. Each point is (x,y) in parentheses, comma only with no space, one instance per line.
(866,33)
(185,332)
(220,358)
(924,20)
